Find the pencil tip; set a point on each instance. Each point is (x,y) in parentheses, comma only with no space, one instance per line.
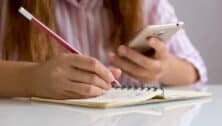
(117,83)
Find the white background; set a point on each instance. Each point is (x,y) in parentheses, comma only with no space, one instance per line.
(203,23)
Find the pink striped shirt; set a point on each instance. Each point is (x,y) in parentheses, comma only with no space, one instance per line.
(85,25)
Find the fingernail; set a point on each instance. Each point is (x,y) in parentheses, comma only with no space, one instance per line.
(111,78)
(122,49)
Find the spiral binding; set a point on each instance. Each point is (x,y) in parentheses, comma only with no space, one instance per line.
(141,87)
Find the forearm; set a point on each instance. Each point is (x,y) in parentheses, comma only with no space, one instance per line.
(14,78)
(179,72)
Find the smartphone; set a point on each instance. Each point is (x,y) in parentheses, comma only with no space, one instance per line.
(163,32)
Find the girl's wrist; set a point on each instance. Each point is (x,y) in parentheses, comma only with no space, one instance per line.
(167,68)
(28,79)
(178,72)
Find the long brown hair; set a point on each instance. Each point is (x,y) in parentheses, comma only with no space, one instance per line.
(22,38)
(127,18)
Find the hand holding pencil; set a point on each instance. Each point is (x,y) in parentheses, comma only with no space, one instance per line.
(69,75)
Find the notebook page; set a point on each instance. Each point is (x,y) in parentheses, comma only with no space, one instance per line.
(123,95)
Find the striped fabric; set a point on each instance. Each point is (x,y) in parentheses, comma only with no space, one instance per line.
(85,25)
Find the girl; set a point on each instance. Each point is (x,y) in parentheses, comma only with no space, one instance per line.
(33,65)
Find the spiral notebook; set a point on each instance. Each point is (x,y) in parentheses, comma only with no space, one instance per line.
(128,96)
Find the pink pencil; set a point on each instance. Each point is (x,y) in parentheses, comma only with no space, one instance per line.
(52,34)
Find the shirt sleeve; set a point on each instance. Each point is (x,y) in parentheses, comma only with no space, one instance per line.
(162,12)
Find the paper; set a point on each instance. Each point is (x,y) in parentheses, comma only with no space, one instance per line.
(126,97)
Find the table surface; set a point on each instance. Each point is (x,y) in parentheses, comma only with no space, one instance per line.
(201,112)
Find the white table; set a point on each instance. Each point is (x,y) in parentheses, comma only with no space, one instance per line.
(204,112)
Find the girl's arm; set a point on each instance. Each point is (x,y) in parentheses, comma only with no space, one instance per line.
(14,78)
(62,77)
(186,65)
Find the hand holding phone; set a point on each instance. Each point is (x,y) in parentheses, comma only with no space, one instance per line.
(163,32)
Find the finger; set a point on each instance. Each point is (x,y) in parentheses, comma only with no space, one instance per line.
(116,72)
(135,71)
(92,65)
(126,65)
(143,80)
(84,89)
(78,75)
(136,57)
(158,46)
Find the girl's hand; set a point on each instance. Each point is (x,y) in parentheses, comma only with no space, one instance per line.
(70,76)
(143,68)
